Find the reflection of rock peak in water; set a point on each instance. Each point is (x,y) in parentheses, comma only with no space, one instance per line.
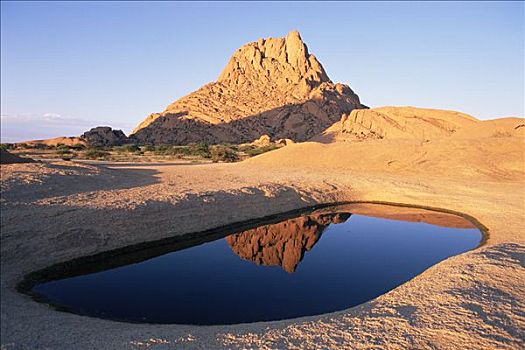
(283,244)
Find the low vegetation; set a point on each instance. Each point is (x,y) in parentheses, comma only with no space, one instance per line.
(253,151)
(94,153)
(195,152)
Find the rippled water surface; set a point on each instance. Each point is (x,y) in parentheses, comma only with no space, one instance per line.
(316,263)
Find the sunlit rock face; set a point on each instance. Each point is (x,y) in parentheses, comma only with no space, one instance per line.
(283,244)
(272,86)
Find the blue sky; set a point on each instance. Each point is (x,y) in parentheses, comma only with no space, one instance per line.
(68,66)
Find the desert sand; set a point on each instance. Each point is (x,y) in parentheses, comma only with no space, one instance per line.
(56,211)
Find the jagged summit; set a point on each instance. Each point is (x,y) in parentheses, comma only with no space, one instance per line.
(272,86)
(274,60)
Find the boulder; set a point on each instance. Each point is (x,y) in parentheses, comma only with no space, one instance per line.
(284,142)
(262,141)
(102,136)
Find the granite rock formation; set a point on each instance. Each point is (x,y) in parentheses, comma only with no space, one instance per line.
(269,87)
(104,136)
(411,123)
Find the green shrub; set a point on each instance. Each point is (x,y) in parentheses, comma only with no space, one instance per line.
(39,146)
(166,150)
(77,147)
(131,148)
(159,150)
(220,153)
(62,147)
(226,144)
(200,149)
(24,145)
(252,152)
(64,151)
(6,146)
(94,153)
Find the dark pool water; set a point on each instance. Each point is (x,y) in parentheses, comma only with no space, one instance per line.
(308,265)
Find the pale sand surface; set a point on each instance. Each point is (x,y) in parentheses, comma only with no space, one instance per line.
(52,212)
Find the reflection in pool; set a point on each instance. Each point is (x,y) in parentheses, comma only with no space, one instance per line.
(323,261)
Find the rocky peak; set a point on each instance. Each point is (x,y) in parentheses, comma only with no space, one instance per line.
(272,86)
(274,61)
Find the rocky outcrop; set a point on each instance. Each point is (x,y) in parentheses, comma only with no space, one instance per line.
(413,123)
(262,141)
(10,158)
(283,244)
(104,136)
(284,142)
(275,62)
(397,123)
(271,87)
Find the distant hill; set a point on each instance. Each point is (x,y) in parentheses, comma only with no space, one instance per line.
(64,140)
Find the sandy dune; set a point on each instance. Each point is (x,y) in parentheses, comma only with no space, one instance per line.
(53,212)
(65,140)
